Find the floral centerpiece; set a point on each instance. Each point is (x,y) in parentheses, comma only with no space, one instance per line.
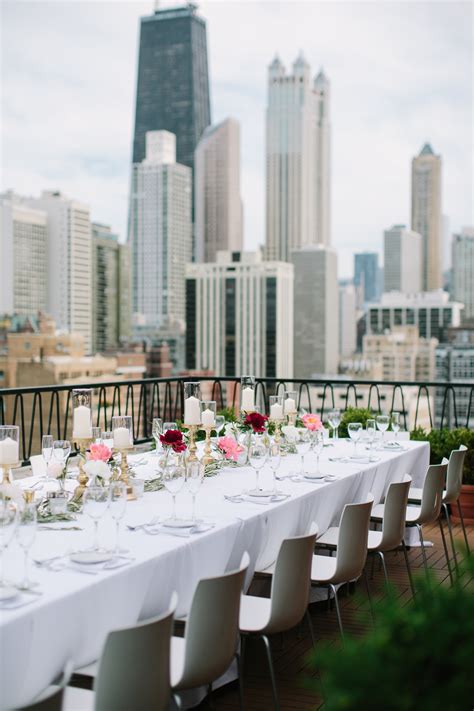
(100,463)
(254,422)
(172,442)
(230,448)
(57,471)
(312,422)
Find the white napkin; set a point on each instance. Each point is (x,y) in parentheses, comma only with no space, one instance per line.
(38,465)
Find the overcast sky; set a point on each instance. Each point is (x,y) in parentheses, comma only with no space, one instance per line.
(401,74)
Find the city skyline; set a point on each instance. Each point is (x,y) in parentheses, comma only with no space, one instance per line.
(380,121)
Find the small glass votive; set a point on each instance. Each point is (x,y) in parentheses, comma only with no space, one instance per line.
(58,502)
(138,487)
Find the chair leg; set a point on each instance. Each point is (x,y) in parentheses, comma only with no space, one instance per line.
(407,563)
(310,625)
(448,563)
(423,552)
(241,681)
(450,530)
(209,695)
(364,575)
(272,673)
(382,558)
(463,527)
(339,618)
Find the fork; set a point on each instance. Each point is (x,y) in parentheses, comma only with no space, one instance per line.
(142,525)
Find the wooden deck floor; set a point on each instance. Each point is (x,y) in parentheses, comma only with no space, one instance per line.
(290,650)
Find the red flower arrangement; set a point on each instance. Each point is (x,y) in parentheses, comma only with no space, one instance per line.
(173,439)
(256,421)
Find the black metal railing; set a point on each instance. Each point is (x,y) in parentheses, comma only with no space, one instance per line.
(48,409)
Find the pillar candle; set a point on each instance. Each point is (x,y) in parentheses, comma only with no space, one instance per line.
(248,400)
(276,411)
(192,411)
(82,423)
(122,438)
(289,405)
(9,452)
(208,419)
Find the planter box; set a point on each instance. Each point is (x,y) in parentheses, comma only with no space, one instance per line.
(466,499)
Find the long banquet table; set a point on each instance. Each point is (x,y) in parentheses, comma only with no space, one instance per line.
(73,616)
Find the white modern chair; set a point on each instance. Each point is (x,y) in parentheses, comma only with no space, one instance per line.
(52,698)
(451,494)
(351,553)
(391,537)
(428,511)
(211,635)
(133,671)
(288,601)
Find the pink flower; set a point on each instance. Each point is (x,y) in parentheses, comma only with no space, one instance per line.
(230,447)
(99,453)
(312,422)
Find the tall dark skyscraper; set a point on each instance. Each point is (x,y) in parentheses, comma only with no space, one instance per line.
(173,81)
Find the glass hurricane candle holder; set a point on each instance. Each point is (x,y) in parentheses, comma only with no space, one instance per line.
(289,406)
(276,414)
(9,451)
(208,423)
(82,414)
(247,393)
(192,404)
(122,434)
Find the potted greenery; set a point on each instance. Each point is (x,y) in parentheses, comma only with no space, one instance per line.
(442,442)
(354,414)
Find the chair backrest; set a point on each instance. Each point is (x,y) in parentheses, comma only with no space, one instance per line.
(134,668)
(432,494)
(53,700)
(393,526)
(291,582)
(454,477)
(212,628)
(351,551)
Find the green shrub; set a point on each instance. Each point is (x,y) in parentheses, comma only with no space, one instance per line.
(354,414)
(442,442)
(417,658)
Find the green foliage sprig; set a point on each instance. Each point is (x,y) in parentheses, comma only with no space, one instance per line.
(443,441)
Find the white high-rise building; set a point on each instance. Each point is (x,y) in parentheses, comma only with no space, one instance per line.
(69,262)
(347,320)
(426,214)
(316,334)
(23,256)
(463,271)
(218,205)
(402,260)
(239,316)
(297,160)
(160,235)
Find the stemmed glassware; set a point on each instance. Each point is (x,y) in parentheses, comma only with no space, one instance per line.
(174,475)
(26,534)
(8,522)
(108,438)
(47,448)
(303,445)
(274,458)
(334,419)
(258,453)
(355,431)
(220,422)
(96,435)
(396,423)
(318,444)
(169,426)
(371,430)
(194,479)
(61,450)
(157,430)
(118,504)
(96,502)
(383,422)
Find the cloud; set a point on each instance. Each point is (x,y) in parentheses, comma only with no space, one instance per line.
(401,74)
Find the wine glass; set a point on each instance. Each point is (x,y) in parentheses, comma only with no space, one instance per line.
(355,431)
(258,453)
(334,419)
(371,430)
(173,480)
(108,438)
(47,448)
(169,426)
(303,445)
(117,505)
(194,479)
(96,501)
(274,458)
(396,423)
(318,444)
(61,450)
(96,435)
(220,422)
(8,522)
(26,534)
(383,422)
(157,430)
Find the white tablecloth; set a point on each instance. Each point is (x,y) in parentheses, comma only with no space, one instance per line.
(74,615)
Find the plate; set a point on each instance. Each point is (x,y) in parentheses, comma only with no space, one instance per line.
(90,557)
(178,523)
(314,477)
(8,593)
(263,493)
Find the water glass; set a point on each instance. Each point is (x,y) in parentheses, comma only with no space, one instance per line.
(169,426)
(107,437)
(395,423)
(334,419)
(138,487)
(274,458)
(8,522)
(157,430)
(194,479)
(383,422)
(371,430)
(117,505)
(173,479)
(355,431)
(303,445)
(61,450)
(26,534)
(318,444)
(96,502)
(96,435)
(258,453)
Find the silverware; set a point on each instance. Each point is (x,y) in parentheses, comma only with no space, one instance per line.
(47,561)
(38,593)
(59,528)
(141,525)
